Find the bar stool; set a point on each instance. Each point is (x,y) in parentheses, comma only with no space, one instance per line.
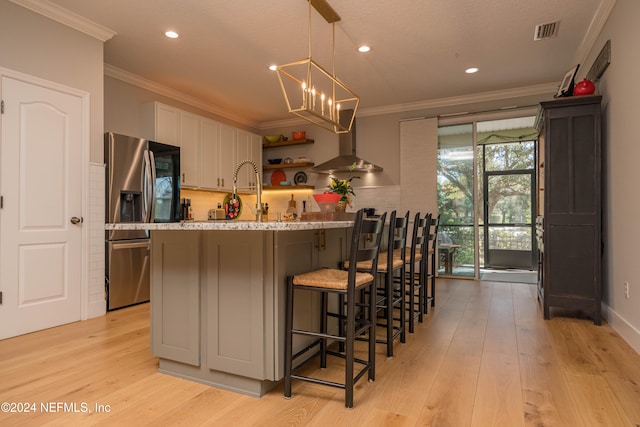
(416,271)
(434,223)
(390,295)
(359,318)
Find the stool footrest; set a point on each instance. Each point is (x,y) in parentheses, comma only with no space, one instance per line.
(318,334)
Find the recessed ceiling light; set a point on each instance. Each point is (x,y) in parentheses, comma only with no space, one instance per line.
(471,70)
(172,34)
(273,67)
(364,49)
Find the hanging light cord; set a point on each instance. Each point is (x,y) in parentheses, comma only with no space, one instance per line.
(333,65)
(309,38)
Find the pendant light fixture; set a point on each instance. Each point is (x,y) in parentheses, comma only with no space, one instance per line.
(313,93)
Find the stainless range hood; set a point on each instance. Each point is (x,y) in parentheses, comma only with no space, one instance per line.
(347,156)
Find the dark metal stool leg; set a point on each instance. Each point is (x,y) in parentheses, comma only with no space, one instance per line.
(372,335)
(388,279)
(323,328)
(349,350)
(288,342)
(403,319)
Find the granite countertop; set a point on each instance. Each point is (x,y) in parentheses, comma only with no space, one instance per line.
(233,225)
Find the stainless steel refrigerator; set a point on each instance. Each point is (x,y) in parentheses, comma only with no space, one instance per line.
(143,185)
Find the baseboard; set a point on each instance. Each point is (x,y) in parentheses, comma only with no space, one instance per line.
(627,331)
(96,309)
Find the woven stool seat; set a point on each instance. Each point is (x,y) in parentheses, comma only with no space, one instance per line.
(418,255)
(397,262)
(330,278)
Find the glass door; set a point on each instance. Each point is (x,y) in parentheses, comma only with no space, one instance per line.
(167,184)
(508,229)
(507,183)
(486,196)
(456,233)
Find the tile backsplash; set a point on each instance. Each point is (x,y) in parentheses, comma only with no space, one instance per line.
(383,199)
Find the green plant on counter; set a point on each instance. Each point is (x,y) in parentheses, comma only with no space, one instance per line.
(343,186)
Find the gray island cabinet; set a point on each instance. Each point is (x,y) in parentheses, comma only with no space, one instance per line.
(218,296)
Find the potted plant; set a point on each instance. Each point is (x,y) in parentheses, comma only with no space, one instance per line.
(344,188)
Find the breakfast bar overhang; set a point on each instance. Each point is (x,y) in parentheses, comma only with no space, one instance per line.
(218,295)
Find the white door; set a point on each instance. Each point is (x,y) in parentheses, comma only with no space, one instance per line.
(40,183)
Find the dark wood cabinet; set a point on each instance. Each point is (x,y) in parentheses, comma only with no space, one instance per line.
(570,202)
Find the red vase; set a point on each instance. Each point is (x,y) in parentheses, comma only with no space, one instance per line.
(585,87)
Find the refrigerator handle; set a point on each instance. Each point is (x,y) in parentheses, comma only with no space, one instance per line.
(152,186)
(146,179)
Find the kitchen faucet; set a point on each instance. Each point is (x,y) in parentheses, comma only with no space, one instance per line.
(259,207)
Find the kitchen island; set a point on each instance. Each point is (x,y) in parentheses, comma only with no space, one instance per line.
(218,295)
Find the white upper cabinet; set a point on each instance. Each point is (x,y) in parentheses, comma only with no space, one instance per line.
(210,154)
(227,157)
(190,147)
(249,147)
(209,151)
(256,155)
(166,124)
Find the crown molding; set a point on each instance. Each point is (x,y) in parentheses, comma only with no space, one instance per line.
(68,18)
(543,89)
(483,116)
(595,27)
(134,79)
(497,95)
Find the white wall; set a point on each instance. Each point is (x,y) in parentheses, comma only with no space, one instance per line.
(35,45)
(621,109)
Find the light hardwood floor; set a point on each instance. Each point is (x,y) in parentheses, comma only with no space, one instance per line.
(484,356)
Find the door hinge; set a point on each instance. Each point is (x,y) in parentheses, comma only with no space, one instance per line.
(0,297)
(1,202)
(1,107)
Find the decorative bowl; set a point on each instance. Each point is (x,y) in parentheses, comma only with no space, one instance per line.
(274,161)
(298,135)
(273,138)
(327,201)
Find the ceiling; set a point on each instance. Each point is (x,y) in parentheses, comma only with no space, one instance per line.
(420,48)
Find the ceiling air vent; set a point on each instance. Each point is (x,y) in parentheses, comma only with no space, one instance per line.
(546,31)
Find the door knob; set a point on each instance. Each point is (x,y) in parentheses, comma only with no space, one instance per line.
(76,220)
